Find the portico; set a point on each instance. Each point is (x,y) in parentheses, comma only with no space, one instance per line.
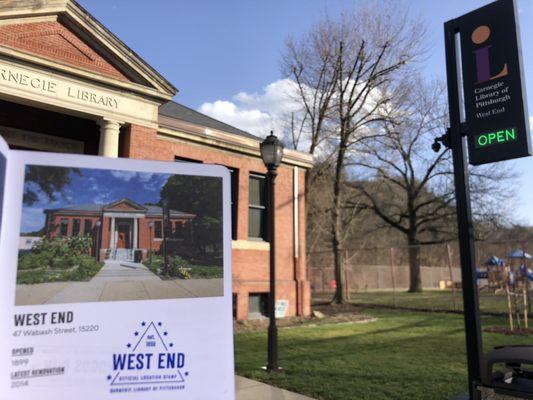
(125,230)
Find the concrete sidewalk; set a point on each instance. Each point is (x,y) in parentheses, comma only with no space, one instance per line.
(248,389)
(118,281)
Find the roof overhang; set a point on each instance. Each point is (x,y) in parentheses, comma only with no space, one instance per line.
(135,207)
(64,212)
(145,80)
(170,128)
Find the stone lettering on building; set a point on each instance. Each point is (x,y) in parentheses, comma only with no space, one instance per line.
(25,80)
(45,85)
(92,97)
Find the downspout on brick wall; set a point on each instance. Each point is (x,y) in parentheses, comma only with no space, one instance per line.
(299,299)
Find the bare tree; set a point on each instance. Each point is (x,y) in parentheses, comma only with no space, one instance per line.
(309,64)
(411,188)
(340,68)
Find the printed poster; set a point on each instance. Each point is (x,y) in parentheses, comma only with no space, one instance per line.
(116,279)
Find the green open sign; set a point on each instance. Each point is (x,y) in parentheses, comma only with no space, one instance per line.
(496,137)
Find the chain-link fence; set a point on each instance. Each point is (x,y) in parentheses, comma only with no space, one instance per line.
(380,276)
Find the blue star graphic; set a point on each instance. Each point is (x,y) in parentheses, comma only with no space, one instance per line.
(143,323)
(171,344)
(128,345)
(165,333)
(109,377)
(159,323)
(136,333)
(187,373)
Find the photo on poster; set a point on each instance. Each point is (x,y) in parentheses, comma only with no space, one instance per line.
(97,235)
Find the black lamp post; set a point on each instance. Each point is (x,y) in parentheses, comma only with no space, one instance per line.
(165,231)
(150,227)
(272,153)
(97,241)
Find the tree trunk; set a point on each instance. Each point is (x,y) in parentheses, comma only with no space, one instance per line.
(340,291)
(415,280)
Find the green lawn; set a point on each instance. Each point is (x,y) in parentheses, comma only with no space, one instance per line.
(427,300)
(403,355)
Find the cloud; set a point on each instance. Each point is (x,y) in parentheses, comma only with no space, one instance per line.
(102,197)
(272,109)
(257,113)
(254,121)
(124,175)
(145,176)
(156,182)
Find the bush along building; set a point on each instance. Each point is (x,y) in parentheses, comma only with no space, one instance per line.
(67,84)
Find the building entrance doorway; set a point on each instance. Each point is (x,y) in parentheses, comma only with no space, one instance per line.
(124,235)
(30,128)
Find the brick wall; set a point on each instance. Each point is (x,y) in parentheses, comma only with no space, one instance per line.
(54,41)
(250,267)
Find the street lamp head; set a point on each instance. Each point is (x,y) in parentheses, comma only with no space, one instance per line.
(98,223)
(272,151)
(164,205)
(151,225)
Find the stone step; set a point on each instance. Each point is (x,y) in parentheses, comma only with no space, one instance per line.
(122,254)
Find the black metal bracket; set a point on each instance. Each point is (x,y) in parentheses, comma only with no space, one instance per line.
(444,139)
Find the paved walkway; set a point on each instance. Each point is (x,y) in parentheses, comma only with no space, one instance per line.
(248,389)
(118,281)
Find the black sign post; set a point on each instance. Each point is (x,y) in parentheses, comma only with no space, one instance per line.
(474,348)
(483,45)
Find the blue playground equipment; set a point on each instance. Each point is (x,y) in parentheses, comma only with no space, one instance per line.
(494,261)
(519,254)
(483,273)
(526,271)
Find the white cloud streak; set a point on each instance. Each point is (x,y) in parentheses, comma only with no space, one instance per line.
(257,113)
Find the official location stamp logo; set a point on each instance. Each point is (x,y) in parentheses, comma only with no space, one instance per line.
(149,362)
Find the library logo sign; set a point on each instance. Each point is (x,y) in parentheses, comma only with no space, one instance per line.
(149,362)
(496,119)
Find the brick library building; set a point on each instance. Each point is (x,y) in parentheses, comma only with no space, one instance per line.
(67,84)
(123,230)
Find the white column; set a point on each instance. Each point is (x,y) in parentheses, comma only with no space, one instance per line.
(109,136)
(135,232)
(112,234)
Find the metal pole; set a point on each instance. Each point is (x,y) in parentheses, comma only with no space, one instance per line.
(165,250)
(150,228)
(346,274)
(450,269)
(474,347)
(272,365)
(392,277)
(97,243)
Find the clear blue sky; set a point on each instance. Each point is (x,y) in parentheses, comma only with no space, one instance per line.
(212,50)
